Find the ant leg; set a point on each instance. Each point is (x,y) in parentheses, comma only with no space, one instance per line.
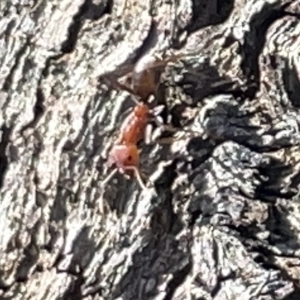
(152,136)
(117,85)
(165,141)
(177,133)
(138,176)
(155,113)
(157,110)
(120,86)
(164,126)
(165,59)
(173,58)
(148,134)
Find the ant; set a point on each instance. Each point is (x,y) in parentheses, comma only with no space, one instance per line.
(124,154)
(143,83)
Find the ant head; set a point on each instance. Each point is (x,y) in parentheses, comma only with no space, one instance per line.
(122,156)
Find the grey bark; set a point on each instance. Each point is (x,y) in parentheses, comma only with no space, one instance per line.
(225,221)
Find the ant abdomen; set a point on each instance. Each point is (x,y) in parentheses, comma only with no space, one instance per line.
(146,76)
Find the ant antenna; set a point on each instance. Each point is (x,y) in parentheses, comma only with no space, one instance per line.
(138,176)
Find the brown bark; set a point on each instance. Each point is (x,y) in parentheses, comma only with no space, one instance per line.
(225,221)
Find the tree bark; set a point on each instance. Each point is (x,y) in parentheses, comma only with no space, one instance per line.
(224,220)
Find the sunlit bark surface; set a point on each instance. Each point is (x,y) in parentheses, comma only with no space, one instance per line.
(224,223)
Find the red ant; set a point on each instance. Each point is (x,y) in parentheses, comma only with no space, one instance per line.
(124,154)
(145,79)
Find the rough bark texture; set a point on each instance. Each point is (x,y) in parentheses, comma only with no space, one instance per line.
(226,218)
